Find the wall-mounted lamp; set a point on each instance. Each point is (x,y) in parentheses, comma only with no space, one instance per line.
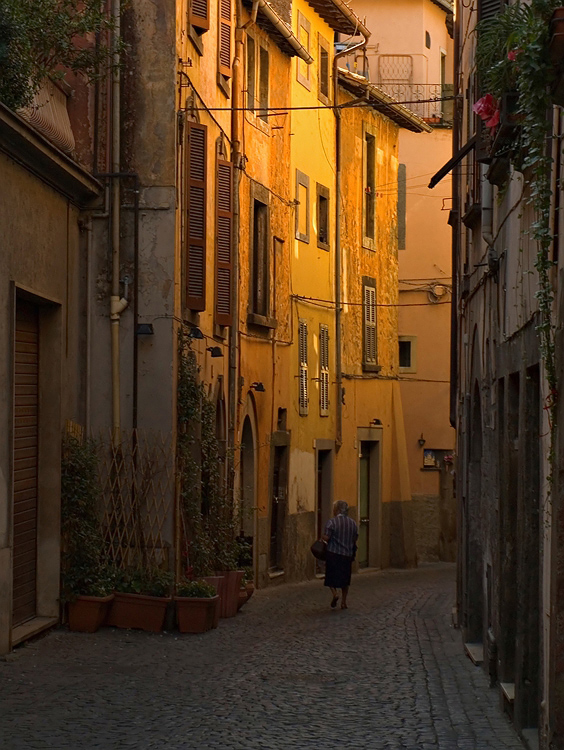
(215,351)
(258,387)
(421,441)
(195,333)
(145,329)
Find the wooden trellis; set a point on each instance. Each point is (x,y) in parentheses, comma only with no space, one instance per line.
(137,480)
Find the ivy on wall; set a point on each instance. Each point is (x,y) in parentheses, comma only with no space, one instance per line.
(512,56)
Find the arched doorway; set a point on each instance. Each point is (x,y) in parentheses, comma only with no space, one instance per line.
(247,484)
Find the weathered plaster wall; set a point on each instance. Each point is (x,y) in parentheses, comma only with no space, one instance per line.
(41,256)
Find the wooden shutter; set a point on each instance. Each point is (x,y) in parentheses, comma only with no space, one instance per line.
(488,8)
(26,447)
(324,370)
(370,353)
(224,259)
(196,218)
(200,14)
(303,379)
(224,47)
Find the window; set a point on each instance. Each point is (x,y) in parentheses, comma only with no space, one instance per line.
(322,217)
(302,209)
(427,40)
(402,200)
(224,45)
(258,72)
(370,338)
(369,203)
(259,259)
(304,33)
(323,76)
(224,221)
(407,353)
(303,397)
(199,14)
(324,370)
(195,226)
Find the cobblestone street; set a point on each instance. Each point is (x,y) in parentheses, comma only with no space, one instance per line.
(287,672)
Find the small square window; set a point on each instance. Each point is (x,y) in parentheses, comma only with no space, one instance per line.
(302,209)
(322,217)
(407,353)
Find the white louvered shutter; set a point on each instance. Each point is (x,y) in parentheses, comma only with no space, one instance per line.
(370,353)
(324,370)
(303,375)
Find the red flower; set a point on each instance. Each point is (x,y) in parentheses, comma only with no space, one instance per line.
(487,108)
(512,54)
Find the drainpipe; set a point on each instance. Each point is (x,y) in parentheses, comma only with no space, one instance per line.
(117,304)
(456,234)
(337,111)
(234,330)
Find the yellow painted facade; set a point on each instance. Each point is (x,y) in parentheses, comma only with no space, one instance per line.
(293,456)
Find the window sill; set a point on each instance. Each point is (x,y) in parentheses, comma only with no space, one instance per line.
(367,367)
(219,332)
(263,321)
(430,468)
(259,123)
(323,245)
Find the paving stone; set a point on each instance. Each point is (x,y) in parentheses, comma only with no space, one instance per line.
(390,673)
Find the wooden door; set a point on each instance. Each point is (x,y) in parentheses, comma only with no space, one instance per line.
(278,508)
(364,505)
(25,462)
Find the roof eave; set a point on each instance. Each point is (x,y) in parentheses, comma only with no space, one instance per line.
(383,103)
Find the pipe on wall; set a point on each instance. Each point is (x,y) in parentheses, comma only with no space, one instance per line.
(117,304)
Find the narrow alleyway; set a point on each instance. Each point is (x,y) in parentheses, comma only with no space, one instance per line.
(286,673)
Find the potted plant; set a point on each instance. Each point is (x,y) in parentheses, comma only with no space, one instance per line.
(196,605)
(218,582)
(141,598)
(86,578)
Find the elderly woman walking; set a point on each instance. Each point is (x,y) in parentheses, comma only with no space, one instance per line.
(341,533)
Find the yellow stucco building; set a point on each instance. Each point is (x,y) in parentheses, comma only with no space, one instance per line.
(307,391)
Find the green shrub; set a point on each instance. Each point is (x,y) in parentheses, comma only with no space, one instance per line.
(195,589)
(84,565)
(152,582)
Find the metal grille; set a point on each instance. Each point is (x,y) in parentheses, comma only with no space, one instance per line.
(395,77)
(137,480)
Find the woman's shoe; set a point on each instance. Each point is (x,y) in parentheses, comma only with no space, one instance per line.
(334,601)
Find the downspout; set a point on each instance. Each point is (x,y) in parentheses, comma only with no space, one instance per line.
(234,330)
(455,232)
(338,354)
(117,304)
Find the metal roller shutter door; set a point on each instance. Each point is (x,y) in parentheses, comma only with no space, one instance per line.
(26,439)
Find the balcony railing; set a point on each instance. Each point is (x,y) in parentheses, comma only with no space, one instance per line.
(428,100)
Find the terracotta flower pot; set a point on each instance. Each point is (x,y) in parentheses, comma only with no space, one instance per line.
(250,589)
(195,614)
(88,613)
(243,598)
(138,611)
(219,583)
(230,598)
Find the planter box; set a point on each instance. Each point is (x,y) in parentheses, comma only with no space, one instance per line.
(219,583)
(138,611)
(88,613)
(230,597)
(194,614)
(243,598)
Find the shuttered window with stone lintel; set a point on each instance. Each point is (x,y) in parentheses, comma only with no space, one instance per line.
(224,241)
(196,217)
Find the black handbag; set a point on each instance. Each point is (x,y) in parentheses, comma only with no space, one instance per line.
(319,549)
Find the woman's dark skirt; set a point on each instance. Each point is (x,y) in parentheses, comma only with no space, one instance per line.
(337,570)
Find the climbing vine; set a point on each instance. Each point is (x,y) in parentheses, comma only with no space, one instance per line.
(209,517)
(512,56)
